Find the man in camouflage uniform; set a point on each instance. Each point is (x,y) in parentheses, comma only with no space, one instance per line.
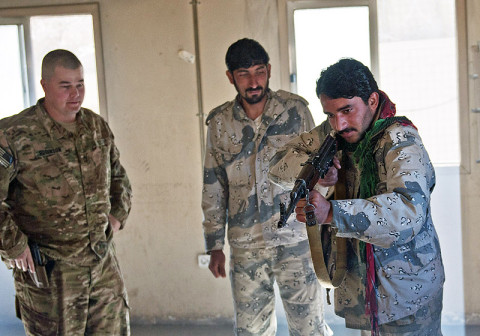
(62,186)
(242,137)
(394,280)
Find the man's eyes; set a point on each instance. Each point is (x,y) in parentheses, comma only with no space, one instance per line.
(79,86)
(261,72)
(257,73)
(345,111)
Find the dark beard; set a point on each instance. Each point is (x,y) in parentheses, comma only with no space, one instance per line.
(255,99)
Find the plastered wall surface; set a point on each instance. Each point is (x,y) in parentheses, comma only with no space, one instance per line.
(152,107)
(470,182)
(151,95)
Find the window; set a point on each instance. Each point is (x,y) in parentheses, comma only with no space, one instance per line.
(29,34)
(13,83)
(313,37)
(413,59)
(418,69)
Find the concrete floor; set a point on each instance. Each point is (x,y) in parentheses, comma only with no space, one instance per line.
(282,330)
(16,329)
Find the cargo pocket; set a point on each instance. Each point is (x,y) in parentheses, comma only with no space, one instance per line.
(36,323)
(124,328)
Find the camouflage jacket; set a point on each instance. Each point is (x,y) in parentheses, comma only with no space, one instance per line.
(397,221)
(236,188)
(59,188)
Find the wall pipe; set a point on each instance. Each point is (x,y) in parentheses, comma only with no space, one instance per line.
(200,113)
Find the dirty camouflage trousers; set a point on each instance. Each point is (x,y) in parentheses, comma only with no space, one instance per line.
(79,301)
(252,275)
(425,322)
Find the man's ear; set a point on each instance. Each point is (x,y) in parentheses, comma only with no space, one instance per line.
(43,83)
(373,101)
(230,76)
(269,67)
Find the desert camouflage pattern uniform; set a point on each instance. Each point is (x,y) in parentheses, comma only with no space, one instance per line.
(237,191)
(57,190)
(397,221)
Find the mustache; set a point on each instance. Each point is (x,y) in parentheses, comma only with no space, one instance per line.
(254,89)
(349,129)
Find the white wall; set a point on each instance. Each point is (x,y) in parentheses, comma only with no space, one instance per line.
(152,106)
(447,218)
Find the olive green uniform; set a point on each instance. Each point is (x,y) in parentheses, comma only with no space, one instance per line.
(57,188)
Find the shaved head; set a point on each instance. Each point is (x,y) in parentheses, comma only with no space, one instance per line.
(59,57)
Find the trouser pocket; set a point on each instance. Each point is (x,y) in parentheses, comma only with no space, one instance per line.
(36,323)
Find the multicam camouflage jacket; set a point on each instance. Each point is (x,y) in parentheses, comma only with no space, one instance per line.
(397,221)
(58,188)
(236,188)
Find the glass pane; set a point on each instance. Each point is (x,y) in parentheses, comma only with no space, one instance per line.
(322,37)
(71,32)
(418,69)
(11,83)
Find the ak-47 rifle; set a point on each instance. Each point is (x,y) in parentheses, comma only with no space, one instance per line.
(328,251)
(313,169)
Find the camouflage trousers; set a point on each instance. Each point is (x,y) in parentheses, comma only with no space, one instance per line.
(79,301)
(425,322)
(252,275)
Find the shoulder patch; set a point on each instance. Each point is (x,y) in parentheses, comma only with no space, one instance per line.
(285,95)
(5,159)
(216,111)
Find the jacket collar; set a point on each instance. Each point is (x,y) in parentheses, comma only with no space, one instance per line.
(54,128)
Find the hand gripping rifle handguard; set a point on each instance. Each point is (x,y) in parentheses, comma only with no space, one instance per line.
(314,168)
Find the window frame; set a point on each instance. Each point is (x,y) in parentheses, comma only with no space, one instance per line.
(465,94)
(286,10)
(27,77)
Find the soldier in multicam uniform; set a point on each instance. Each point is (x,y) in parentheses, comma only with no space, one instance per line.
(242,137)
(62,186)
(395,275)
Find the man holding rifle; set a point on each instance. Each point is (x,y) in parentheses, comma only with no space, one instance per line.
(394,275)
(63,195)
